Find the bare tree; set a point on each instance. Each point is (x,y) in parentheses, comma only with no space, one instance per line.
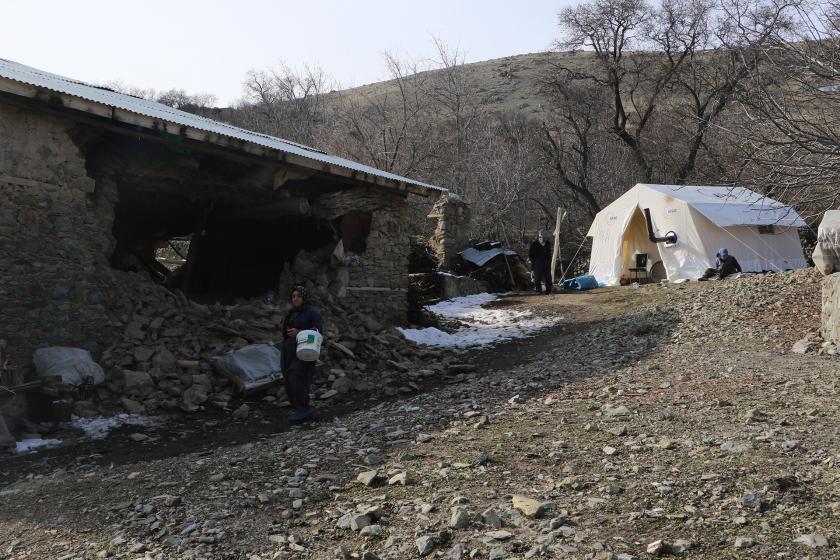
(677,64)
(587,163)
(286,102)
(455,92)
(391,128)
(180,99)
(788,137)
(197,103)
(506,187)
(121,87)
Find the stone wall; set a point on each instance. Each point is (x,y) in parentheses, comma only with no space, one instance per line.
(831,308)
(54,238)
(459,286)
(379,284)
(452,233)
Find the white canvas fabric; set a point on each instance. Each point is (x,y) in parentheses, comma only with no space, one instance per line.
(704,219)
(828,232)
(826,254)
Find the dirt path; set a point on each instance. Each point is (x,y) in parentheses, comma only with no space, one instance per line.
(183,434)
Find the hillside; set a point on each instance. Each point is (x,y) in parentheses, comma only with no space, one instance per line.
(510,84)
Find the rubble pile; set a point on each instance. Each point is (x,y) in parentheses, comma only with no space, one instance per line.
(499,268)
(163,358)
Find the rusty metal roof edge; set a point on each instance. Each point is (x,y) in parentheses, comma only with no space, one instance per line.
(17,72)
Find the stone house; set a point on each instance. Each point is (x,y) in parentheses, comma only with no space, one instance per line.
(93,182)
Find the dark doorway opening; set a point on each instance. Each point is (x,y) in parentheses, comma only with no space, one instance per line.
(238,258)
(144,224)
(223,255)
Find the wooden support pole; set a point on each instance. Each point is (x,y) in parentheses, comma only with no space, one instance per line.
(555,254)
(28,386)
(192,254)
(507,263)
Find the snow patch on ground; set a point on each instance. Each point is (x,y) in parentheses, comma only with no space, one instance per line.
(27,445)
(484,326)
(98,428)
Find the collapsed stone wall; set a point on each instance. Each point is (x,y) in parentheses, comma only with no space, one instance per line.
(58,286)
(54,238)
(161,360)
(379,284)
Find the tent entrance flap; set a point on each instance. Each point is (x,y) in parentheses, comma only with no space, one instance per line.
(636,241)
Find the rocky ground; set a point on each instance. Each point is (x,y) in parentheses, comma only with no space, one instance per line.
(652,421)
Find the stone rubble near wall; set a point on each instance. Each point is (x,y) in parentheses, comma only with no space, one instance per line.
(360,354)
(161,329)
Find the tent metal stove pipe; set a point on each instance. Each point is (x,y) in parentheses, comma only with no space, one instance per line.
(670,237)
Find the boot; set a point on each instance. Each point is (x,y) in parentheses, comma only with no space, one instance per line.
(301,415)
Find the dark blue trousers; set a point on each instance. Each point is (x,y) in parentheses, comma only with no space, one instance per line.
(542,274)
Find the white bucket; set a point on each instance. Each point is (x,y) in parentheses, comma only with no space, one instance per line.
(309,345)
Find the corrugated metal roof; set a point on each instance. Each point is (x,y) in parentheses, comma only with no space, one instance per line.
(32,76)
(480,258)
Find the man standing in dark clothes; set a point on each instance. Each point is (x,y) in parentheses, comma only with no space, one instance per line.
(297,374)
(726,264)
(540,257)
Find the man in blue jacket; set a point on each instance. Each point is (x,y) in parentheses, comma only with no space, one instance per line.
(726,264)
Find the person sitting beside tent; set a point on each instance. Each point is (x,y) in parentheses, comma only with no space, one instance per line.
(540,257)
(725,264)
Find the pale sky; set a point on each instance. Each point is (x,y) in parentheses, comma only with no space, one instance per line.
(209,46)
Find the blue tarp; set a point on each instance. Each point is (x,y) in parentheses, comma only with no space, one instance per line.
(580,283)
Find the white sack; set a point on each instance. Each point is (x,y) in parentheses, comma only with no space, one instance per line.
(251,367)
(828,232)
(75,366)
(827,252)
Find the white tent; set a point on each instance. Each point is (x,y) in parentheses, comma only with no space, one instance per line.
(759,231)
